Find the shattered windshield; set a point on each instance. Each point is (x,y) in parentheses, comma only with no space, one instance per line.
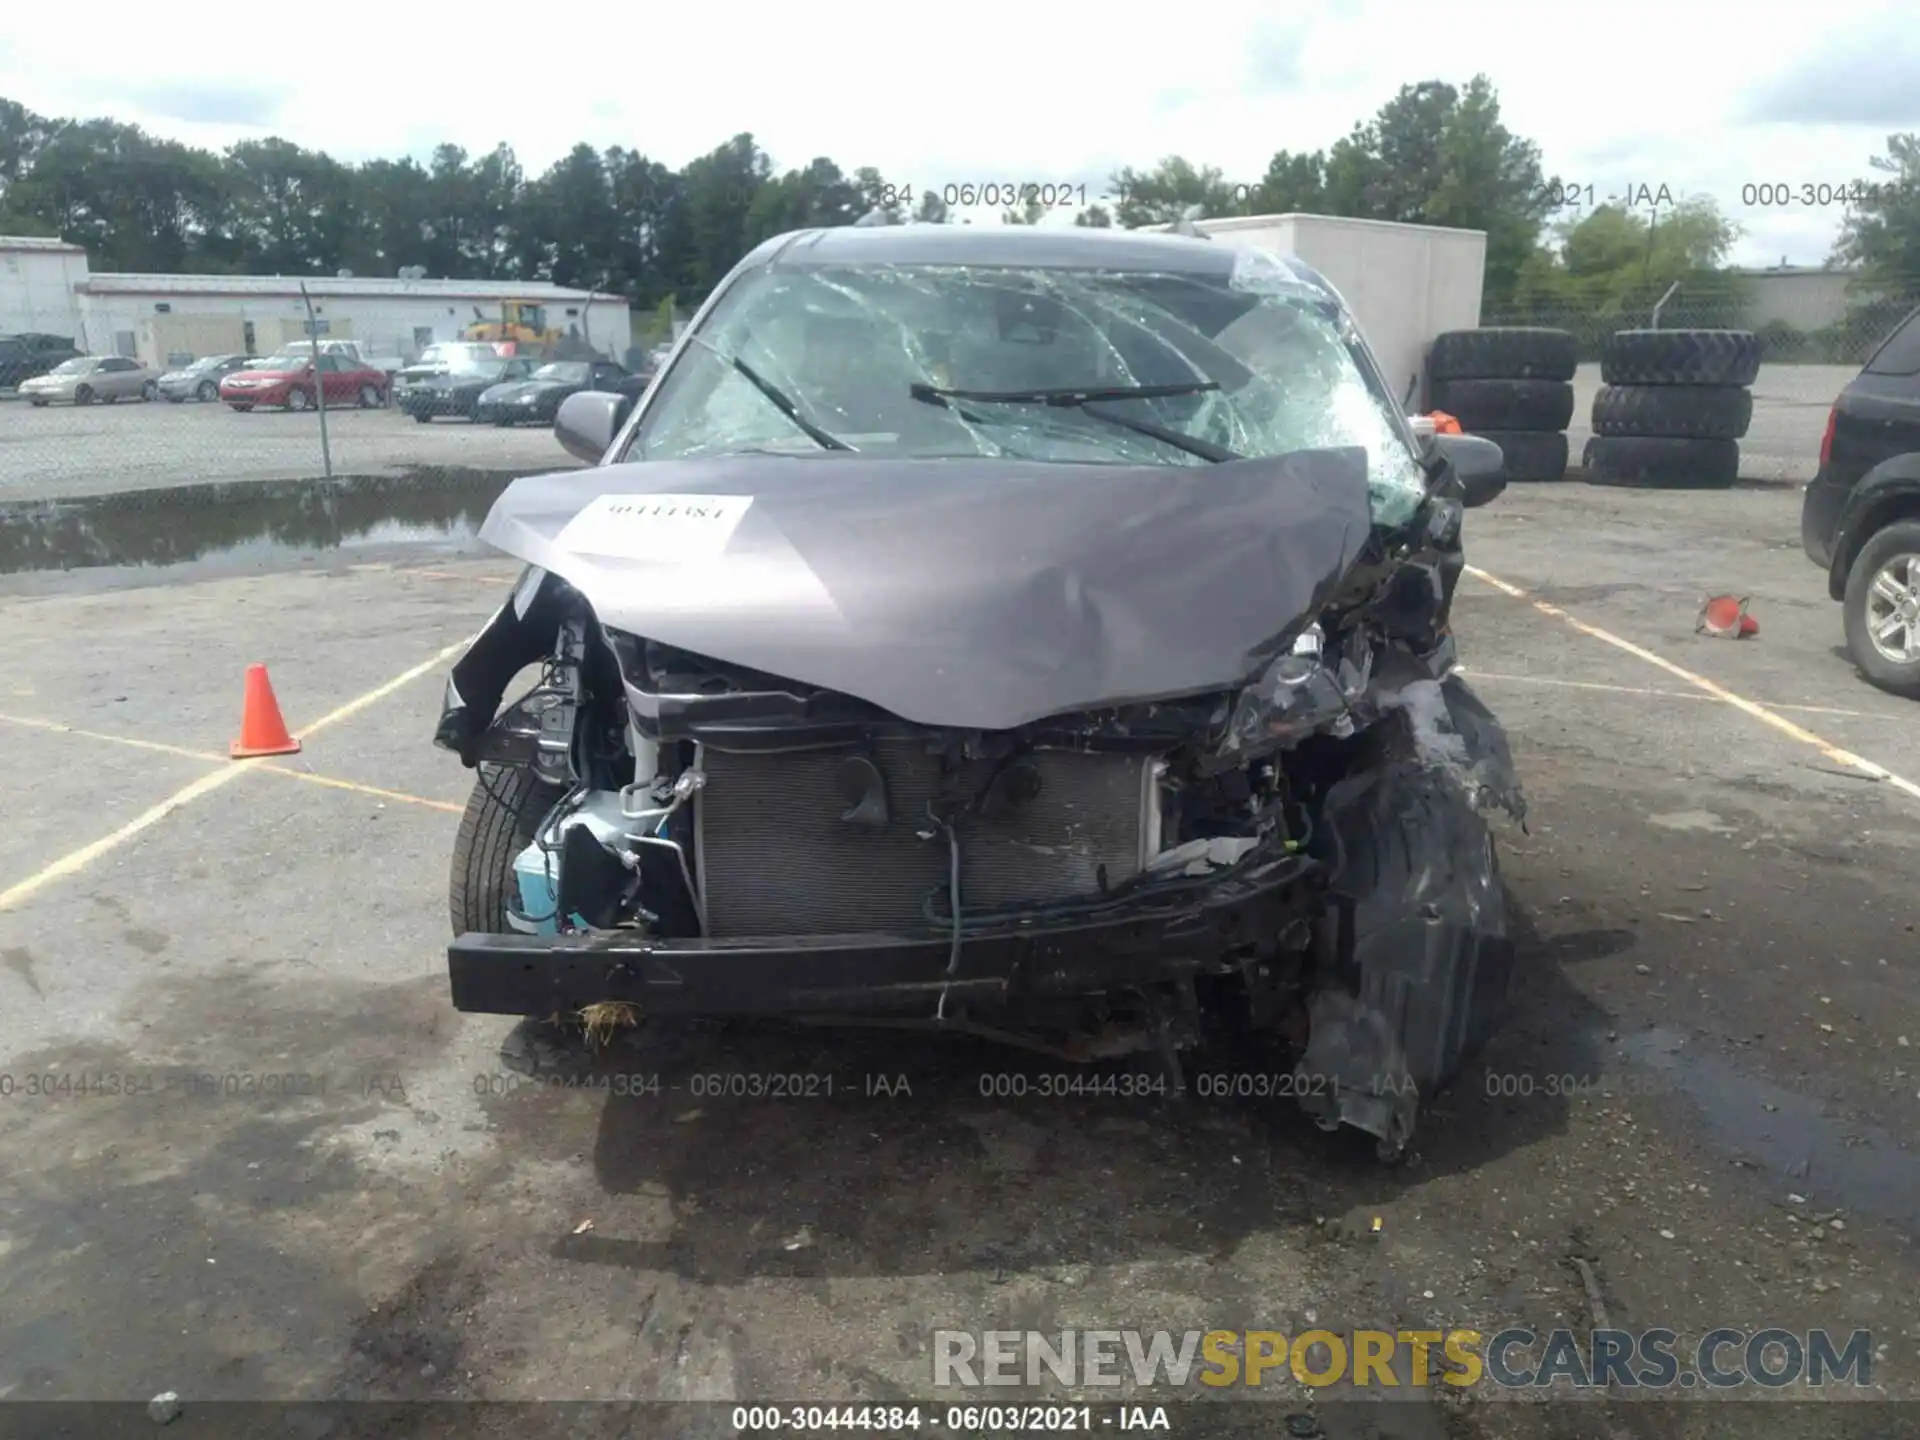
(848,346)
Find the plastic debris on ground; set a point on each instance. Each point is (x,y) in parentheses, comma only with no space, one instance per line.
(1726,616)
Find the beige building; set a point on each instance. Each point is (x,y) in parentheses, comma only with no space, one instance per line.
(1807,297)
(46,286)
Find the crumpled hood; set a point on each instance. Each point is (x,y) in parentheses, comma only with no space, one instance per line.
(982,594)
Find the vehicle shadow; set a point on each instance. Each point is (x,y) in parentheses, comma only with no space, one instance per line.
(873,1153)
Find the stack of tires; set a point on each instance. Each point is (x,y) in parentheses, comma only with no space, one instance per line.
(1673,408)
(1511,384)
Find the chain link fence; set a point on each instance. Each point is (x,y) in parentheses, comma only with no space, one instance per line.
(1807,317)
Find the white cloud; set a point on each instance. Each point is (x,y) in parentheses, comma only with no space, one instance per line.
(1691,97)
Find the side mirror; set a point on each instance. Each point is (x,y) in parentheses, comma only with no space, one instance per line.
(1477,462)
(586,424)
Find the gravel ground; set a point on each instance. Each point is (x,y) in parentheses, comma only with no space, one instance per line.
(1720,943)
(59,452)
(62,451)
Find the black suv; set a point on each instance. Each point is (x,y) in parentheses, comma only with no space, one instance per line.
(24,356)
(1861,518)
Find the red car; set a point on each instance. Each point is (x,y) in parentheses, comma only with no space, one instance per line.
(288,381)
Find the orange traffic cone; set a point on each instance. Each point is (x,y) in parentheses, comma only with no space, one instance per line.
(262,731)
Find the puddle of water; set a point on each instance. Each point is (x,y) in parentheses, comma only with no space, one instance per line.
(254,524)
(1852,1167)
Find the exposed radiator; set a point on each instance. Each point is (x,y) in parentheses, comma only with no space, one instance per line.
(776,858)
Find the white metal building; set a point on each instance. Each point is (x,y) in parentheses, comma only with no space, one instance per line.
(1404,283)
(47,286)
(38,282)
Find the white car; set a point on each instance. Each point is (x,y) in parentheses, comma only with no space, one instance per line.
(87,378)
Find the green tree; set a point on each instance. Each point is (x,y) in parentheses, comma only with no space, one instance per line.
(1881,232)
(293,209)
(1437,155)
(1608,268)
(646,198)
(392,197)
(1030,212)
(1293,184)
(1094,217)
(1159,196)
(801,200)
(23,134)
(718,190)
(877,193)
(135,202)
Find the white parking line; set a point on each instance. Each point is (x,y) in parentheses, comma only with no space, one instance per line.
(1717,691)
(1653,692)
(75,861)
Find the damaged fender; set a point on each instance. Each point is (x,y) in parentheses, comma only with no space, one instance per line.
(1424,953)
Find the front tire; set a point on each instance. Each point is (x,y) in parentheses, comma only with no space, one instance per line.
(83,395)
(506,807)
(150,392)
(298,400)
(207,391)
(1882,609)
(369,398)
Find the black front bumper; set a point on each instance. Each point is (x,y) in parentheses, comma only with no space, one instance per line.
(1149,940)
(440,403)
(507,413)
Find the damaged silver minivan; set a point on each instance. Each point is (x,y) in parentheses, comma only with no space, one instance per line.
(1036,633)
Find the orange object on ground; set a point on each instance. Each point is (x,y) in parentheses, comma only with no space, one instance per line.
(1445,424)
(1726,616)
(262,731)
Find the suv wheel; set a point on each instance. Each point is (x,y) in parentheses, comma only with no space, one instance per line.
(1882,609)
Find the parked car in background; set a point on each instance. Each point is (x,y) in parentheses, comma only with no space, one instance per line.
(387,363)
(536,399)
(87,378)
(290,382)
(443,358)
(457,392)
(1860,519)
(25,355)
(200,379)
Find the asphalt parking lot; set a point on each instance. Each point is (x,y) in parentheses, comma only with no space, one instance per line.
(363,1194)
(63,451)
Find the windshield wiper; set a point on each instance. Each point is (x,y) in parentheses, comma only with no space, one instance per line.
(782,401)
(1083,399)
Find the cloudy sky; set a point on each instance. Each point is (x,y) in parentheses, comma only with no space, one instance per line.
(1701,98)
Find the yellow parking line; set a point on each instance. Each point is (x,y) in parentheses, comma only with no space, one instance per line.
(334,783)
(75,861)
(268,767)
(53,727)
(1651,691)
(1719,692)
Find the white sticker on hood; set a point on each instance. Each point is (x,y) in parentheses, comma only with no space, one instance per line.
(655,527)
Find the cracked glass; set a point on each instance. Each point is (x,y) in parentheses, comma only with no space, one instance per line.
(847,345)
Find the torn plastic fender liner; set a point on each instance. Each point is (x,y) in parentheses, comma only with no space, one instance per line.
(1425,955)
